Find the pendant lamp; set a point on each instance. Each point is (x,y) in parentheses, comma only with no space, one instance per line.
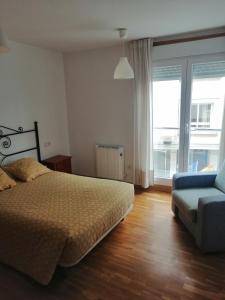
(4,47)
(123,70)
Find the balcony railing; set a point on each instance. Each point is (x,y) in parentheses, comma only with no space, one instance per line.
(203,150)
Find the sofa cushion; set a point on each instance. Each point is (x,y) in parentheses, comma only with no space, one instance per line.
(220,179)
(186,200)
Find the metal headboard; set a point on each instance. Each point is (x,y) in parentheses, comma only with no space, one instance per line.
(6,142)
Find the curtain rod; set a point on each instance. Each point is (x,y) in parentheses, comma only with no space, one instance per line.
(188,39)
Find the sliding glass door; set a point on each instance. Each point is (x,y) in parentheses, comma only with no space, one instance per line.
(167,80)
(188,99)
(207,101)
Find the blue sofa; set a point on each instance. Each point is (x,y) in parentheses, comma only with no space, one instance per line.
(198,200)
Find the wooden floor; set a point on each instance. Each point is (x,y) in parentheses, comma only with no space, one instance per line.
(148,256)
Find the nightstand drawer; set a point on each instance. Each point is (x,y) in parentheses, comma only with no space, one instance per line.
(64,166)
(59,163)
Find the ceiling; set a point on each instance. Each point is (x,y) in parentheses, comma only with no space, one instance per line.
(68,25)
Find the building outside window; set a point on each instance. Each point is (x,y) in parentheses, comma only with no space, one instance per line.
(200,115)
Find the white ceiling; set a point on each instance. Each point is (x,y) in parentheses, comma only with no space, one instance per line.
(68,25)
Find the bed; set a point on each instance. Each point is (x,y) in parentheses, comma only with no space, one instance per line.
(57,219)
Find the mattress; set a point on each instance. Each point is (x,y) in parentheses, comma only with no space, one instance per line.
(56,219)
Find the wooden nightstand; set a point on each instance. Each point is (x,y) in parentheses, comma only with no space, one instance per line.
(61,163)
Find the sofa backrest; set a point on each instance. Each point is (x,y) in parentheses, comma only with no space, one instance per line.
(220,179)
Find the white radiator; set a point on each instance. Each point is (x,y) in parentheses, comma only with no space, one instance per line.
(110,162)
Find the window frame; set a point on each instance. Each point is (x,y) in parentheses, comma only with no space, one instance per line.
(186,63)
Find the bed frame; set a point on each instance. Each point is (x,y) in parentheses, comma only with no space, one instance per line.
(6,142)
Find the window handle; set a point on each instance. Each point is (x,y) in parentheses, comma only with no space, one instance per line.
(187,128)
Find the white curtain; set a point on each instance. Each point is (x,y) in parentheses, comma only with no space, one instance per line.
(222,141)
(140,52)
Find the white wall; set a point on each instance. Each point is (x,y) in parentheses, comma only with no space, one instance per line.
(32,87)
(100,109)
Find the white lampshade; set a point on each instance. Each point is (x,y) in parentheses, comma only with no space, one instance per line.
(4,47)
(123,70)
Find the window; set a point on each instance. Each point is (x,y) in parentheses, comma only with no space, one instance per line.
(199,159)
(200,115)
(188,100)
(166,119)
(165,163)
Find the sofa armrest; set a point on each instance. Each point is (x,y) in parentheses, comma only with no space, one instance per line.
(210,234)
(193,180)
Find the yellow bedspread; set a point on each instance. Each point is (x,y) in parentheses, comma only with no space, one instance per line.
(56,219)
